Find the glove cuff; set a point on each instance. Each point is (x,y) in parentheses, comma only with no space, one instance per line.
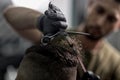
(40,22)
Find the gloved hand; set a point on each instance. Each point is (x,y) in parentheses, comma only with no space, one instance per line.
(90,76)
(52,21)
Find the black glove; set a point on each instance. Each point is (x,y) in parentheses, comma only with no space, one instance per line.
(52,21)
(90,76)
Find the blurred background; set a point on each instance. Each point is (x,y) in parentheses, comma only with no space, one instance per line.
(74,10)
(12,46)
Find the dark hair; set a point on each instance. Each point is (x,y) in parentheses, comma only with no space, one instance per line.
(118,1)
(62,52)
(51,62)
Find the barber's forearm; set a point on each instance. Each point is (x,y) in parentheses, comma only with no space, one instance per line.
(24,21)
(21,18)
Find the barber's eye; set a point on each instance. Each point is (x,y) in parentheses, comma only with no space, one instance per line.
(111,18)
(100,10)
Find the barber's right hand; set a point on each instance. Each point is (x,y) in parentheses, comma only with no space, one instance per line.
(52,21)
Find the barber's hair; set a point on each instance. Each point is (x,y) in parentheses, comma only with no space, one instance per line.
(115,3)
(118,1)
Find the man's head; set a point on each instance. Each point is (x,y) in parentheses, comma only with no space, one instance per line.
(103,17)
(55,61)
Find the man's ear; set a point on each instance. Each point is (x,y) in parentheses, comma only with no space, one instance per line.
(119,25)
(117,28)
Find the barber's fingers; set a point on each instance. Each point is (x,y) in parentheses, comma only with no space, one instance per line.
(55,13)
(55,16)
(60,24)
(53,7)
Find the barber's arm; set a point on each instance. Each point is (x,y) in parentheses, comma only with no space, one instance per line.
(30,23)
(23,20)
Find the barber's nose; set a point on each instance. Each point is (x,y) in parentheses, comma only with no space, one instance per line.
(101,21)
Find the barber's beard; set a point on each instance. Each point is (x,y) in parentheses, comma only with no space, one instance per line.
(92,37)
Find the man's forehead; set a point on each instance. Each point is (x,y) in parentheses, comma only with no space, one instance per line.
(108,1)
(109,4)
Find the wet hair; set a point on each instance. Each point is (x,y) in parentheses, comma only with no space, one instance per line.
(56,61)
(55,53)
(59,51)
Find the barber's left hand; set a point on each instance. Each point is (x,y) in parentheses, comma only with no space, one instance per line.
(52,21)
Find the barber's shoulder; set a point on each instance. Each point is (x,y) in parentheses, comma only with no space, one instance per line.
(110,50)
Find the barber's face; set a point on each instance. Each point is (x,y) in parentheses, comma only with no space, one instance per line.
(101,19)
